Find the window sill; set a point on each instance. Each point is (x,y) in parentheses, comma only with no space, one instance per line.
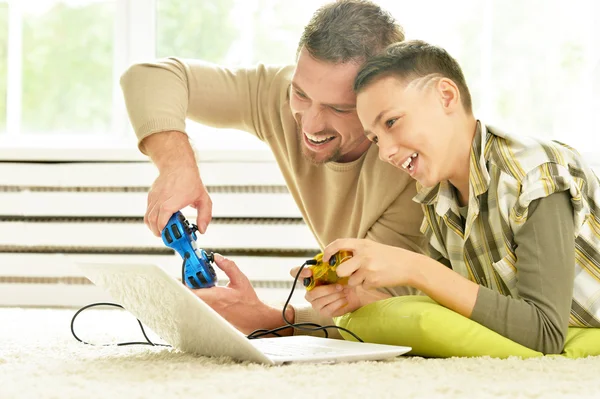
(54,148)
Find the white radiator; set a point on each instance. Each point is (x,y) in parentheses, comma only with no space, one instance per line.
(54,214)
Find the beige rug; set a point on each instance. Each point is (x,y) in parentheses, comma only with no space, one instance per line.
(40,359)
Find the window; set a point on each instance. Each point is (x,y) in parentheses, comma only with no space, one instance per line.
(66,68)
(532,67)
(3,63)
(57,66)
(231,32)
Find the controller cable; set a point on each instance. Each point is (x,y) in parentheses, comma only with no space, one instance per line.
(300,326)
(253,335)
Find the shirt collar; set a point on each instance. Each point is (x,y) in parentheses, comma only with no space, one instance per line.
(442,195)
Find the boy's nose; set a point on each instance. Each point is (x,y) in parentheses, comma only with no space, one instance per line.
(386,153)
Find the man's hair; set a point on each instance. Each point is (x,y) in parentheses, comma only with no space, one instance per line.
(349,30)
(412,60)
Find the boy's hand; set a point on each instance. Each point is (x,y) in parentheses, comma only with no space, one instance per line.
(335,299)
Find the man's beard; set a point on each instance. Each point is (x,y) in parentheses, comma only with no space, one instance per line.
(311,156)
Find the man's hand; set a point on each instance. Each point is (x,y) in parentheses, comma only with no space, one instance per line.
(178,184)
(238,303)
(172,191)
(334,300)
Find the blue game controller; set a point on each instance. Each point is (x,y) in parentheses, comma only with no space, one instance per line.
(197,270)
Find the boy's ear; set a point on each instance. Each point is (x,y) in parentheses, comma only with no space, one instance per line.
(449,94)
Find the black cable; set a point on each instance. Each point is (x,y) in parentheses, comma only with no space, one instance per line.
(253,335)
(148,342)
(301,326)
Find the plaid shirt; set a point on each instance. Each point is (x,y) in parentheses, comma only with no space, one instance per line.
(506,174)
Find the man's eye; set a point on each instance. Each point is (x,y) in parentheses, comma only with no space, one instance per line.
(340,111)
(300,94)
(390,122)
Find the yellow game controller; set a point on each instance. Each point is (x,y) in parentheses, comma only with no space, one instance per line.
(326,273)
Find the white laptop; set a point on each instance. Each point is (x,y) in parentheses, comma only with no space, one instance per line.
(187,323)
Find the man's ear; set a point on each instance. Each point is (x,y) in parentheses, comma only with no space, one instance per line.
(449,94)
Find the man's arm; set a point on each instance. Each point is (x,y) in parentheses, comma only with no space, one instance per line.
(178,183)
(160,96)
(238,303)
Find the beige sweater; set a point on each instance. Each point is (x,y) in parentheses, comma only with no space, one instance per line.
(365,198)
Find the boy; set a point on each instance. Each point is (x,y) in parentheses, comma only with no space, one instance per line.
(513,223)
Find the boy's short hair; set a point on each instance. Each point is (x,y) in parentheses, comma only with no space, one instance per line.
(349,30)
(414,59)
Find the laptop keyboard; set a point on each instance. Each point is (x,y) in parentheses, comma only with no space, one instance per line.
(272,347)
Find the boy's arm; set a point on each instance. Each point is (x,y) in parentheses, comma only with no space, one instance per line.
(545,273)
(545,270)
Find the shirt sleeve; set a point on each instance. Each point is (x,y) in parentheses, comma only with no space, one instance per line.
(545,272)
(160,95)
(306,314)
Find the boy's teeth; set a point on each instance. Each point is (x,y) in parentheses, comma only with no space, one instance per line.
(407,163)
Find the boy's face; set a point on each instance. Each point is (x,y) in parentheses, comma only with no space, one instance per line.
(324,107)
(411,125)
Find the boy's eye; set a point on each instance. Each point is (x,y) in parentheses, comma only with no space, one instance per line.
(390,122)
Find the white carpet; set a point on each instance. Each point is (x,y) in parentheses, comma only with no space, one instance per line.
(40,359)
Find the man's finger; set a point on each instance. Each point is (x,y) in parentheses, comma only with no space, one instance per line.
(229,267)
(165,211)
(322,291)
(335,308)
(322,302)
(151,216)
(348,267)
(151,200)
(341,244)
(204,208)
(306,272)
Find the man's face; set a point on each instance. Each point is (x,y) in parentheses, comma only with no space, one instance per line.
(411,126)
(324,106)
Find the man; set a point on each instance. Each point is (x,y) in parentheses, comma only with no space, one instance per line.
(307,115)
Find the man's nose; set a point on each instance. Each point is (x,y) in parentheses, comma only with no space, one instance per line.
(312,121)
